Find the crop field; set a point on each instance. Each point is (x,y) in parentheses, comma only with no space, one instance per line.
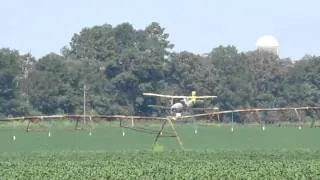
(213,152)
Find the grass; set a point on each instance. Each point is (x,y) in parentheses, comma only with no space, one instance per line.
(110,138)
(214,152)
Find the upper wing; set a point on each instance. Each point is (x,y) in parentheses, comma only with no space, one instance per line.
(177,97)
(204,97)
(165,96)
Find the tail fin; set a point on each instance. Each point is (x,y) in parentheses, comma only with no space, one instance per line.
(193,96)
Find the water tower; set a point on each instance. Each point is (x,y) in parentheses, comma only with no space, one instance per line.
(268,43)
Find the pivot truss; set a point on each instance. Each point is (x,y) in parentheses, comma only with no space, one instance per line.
(296,110)
(164,120)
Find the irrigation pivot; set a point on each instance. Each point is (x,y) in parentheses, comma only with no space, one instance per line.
(164,120)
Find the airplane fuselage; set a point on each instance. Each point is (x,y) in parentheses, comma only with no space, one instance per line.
(178,107)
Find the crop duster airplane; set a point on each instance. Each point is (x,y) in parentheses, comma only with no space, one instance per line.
(187,102)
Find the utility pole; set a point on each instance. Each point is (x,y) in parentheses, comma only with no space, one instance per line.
(84,103)
(24,84)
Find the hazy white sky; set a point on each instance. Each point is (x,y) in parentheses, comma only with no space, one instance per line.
(43,26)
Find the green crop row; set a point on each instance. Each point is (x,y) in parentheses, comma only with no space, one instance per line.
(161,165)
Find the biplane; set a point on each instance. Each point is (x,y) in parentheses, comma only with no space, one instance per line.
(185,103)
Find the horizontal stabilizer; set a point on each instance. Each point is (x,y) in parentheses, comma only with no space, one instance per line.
(177,97)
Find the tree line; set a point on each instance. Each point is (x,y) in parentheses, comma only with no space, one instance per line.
(117,64)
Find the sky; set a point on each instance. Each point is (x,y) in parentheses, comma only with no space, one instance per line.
(44,26)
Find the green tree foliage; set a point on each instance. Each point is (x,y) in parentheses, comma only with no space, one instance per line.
(13,72)
(117,64)
(303,82)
